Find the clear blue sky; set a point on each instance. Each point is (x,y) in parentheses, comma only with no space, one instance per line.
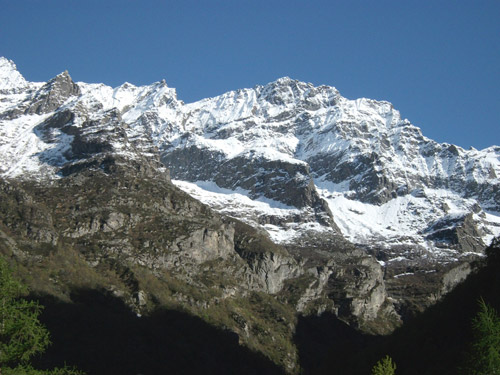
(437,61)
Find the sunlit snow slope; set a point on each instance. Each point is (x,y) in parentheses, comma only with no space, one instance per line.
(288,157)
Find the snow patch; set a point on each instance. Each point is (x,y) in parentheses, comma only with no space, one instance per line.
(237,204)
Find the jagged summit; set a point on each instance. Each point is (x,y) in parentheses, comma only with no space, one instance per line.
(288,91)
(350,166)
(61,78)
(53,94)
(10,78)
(325,203)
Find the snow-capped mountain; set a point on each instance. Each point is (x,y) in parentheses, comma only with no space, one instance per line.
(295,160)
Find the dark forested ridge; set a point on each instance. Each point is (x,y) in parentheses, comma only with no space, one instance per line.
(100,335)
(434,342)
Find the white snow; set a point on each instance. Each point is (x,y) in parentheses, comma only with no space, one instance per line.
(237,204)
(20,147)
(227,200)
(10,78)
(404,219)
(287,121)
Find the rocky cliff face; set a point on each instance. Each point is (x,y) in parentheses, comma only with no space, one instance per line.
(245,209)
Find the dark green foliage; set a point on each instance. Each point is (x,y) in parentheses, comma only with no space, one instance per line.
(484,358)
(21,333)
(384,367)
(29,370)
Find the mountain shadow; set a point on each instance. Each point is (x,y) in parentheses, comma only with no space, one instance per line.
(434,342)
(326,341)
(100,335)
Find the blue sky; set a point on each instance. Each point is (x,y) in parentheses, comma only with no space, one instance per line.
(437,61)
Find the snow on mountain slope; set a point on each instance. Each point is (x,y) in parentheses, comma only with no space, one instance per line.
(288,157)
(384,182)
(10,78)
(283,223)
(20,146)
(342,140)
(279,220)
(407,221)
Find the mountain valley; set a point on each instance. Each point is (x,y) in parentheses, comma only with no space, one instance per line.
(249,212)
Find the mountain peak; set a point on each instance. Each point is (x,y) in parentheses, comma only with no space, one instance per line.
(62,77)
(64,74)
(287,91)
(54,93)
(288,82)
(284,81)
(10,78)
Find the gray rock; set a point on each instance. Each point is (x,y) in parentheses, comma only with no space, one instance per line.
(53,94)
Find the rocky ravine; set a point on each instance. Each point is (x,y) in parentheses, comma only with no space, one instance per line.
(313,192)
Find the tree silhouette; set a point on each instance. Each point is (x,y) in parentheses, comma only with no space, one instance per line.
(484,356)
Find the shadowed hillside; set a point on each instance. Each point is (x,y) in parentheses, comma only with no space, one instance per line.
(100,335)
(433,342)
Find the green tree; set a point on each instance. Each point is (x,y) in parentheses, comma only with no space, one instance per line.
(484,357)
(21,333)
(384,367)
